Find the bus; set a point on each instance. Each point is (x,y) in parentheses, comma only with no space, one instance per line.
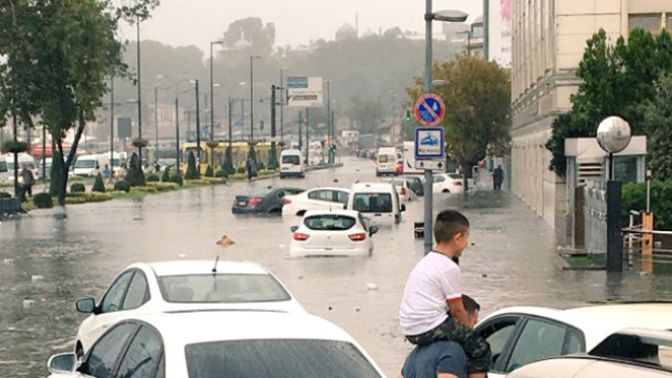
(215,155)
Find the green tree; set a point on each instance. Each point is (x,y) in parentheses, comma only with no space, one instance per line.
(658,126)
(228,161)
(99,184)
(58,54)
(135,176)
(477,107)
(192,170)
(259,37)
(616,80)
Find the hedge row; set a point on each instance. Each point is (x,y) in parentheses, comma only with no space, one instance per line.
(633,197)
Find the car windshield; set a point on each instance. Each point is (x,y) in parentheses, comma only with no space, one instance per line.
(290,159)
(221,288)
(85,163)
(329,222)
(295,358)
(372,202)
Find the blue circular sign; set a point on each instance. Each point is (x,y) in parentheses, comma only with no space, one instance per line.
(429,109)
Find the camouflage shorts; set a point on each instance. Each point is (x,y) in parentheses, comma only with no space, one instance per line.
(475,347)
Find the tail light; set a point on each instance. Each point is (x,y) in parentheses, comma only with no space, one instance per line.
(301,236)
(255,201)
(457,183)
(286,201)
(357,237)
(403,191)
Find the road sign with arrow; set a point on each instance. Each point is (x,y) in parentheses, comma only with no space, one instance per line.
(433,165)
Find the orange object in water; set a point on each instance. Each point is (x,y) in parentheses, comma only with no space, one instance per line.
(647,239)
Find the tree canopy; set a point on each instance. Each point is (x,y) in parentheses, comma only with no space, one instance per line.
(616,80)
(477,102)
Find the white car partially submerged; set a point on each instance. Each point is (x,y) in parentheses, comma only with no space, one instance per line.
(146,288)
(215,344)
(332,233)
(519,336)
(404,189)
(315,199)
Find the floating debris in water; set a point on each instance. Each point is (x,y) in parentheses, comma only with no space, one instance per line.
(36,277)
(372,286)
(225,241)
(28,303)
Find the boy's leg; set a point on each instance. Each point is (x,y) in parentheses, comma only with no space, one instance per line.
(475,347)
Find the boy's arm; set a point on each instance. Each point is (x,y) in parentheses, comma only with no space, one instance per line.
(457,311)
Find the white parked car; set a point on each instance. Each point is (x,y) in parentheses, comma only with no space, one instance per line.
(632,352)
(521,335)
(404,190)
(315,199)
(332,233)
(448,183)
(215,344)
(181,286)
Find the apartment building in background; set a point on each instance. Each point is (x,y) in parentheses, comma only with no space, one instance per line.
(548,40)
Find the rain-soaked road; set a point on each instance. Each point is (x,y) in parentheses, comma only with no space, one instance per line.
(53,262)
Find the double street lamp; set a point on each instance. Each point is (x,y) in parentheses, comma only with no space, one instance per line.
(252,58)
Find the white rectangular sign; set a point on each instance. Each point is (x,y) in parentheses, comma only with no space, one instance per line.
(304,92)
(434,165)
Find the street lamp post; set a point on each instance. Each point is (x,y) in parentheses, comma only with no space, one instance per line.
(282,105)
(447,16)
(111,124)
(139,91)
(198,127)
(252,58)
(212,95)
(177,117)
(330,132)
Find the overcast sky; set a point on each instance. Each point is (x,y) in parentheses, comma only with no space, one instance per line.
(197,22)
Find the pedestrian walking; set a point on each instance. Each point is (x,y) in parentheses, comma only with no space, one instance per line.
(498,178)
(432,308)
(28,180)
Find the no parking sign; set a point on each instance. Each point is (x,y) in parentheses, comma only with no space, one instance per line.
(429,109)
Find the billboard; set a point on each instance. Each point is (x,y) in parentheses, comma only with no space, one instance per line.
(304,92)
(500,32)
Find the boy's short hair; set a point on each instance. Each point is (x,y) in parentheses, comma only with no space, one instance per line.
(470,304)
(448,224)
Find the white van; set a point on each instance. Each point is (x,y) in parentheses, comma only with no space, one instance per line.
(90,165)
(377,201)
(386,163)
(291,164)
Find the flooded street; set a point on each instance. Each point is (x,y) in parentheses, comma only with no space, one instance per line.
(46,263)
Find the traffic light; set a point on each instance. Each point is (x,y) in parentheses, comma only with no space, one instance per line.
(408,115)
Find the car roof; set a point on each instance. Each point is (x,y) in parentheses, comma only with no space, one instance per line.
(370,187)
(328,188)
(350,213)
(184,267)
(598,322)
(292,152)
(207,326)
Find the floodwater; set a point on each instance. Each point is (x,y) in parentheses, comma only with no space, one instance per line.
(47,262)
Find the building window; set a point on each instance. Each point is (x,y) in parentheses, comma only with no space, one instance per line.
(648,22)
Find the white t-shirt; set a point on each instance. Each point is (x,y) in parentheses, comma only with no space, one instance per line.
(433,283)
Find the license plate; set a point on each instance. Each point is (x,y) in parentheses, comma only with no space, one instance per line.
(242,203)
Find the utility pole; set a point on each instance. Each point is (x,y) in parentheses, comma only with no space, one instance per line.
(111,127)
(282,106)
(486,30)
(428,88)
(230,122)
(307,136)
(198,128)
(273,162)
(156,121)
(300,130)
(177,134)
(139,92)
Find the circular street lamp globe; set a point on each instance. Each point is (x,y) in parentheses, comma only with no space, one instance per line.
(613,134)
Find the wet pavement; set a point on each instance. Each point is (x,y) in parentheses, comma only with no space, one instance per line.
(46,263)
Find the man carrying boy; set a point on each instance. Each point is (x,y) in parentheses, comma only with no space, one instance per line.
(431,306)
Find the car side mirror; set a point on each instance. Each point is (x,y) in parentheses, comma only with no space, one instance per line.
(294,228)
(403,207)
(373,230)
(86,305)
(62,363)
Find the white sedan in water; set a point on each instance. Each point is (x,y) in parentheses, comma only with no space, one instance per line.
(315,199)
(181,285)
(332,233)
(215,344)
